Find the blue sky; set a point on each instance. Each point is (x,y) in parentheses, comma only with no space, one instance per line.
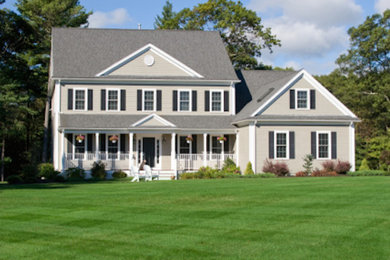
(313,33)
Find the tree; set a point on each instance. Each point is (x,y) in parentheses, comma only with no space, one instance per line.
(42,15)
(241,29)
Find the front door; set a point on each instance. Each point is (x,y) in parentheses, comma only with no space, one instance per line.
(149,151)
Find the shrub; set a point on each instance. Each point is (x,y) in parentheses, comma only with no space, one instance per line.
(75,173)
(14,179)
(342,167)
(300,174)
(329,166)
(187,175)
(119,174)
(229,167)
(59,178)
(279,168)
(29,173)
(249,170)
(46,170)
(369,173)
(323,173)
(228,163)
(364,165)
(205,172)
(98,170)
(308,165)
(266,175)
(384,160)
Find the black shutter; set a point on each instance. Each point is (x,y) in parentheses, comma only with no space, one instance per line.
(123,143)
(271,148)
(334,145)
(226,101)
(139,99)
(292,144)
(89,142)
(90,99)
(174,100)
(208,143)
(314,144)
(226,144)
(176,143)
(207,100)
(159,95)
(69,137)
(194,144)
(194,100)
(292,99)
(103,99)
(312,99)
(123,99)
(102,144)
(70,99)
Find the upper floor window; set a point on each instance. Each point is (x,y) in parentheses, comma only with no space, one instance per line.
(113,100)
(302,99)
(281,144)
(149,100)
(184,100)
(216,100)
(323,145)
(79,99)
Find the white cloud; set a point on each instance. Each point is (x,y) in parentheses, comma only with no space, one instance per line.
(114,18)
(382,5)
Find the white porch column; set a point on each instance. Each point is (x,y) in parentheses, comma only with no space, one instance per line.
(205,149)
(352,146)
(62,166)
(97,146)
(173,152)
(131,148)
(252,145)
(237,148)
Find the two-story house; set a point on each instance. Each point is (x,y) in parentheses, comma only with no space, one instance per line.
(172,98)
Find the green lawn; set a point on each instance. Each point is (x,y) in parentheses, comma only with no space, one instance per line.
(280,218)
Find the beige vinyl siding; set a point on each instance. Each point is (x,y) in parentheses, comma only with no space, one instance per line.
(131,99)
(243,149)
(161,67)
(282,105)
(302,145)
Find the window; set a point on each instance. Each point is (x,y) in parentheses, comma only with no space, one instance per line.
(79,99)
(139,151)
(216,146)
(216,100)
(112,147)
(281,144)
(323,145)
(113,100)
(79,146)
(184,147)
(302,101)
(184,100)
(149,104)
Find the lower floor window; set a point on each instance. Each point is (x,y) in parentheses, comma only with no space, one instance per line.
(184,145)
(281,145)
(216,146)
(112,146)
(323,145)
(79,146)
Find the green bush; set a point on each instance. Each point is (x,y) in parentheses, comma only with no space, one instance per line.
(369,173)
(267,175)
(249,170)
(364,165)
(46,170)
(229,167)
(98,170)
(59,178)
(29,174)
(187,176)
(75,173)
(308,164)
(119,174)
(14,179)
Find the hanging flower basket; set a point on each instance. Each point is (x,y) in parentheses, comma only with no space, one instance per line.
(189,138)
(221,139)
(113,139)
(80,138)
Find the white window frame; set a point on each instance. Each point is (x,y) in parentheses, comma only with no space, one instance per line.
(287,145)
(308,99)
(190,100)
(329,145)
(119,99)
(211,100)
(74,145)
(154,99)
(118,143)
(85,99)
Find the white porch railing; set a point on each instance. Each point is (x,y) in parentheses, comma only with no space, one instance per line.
(112,161)
(195,161)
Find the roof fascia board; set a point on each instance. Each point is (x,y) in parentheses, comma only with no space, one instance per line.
(155,50)
(295,121)
(157,117)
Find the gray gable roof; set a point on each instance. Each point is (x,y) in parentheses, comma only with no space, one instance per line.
(81,52)
(261,85)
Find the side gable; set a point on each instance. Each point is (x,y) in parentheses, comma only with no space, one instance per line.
(326,102)
(149,61)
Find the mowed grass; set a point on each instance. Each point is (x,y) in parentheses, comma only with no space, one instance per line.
(282,218)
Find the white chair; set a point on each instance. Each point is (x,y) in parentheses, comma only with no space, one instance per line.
(135,173)
(148,173)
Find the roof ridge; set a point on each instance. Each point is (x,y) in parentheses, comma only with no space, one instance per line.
(131,29)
